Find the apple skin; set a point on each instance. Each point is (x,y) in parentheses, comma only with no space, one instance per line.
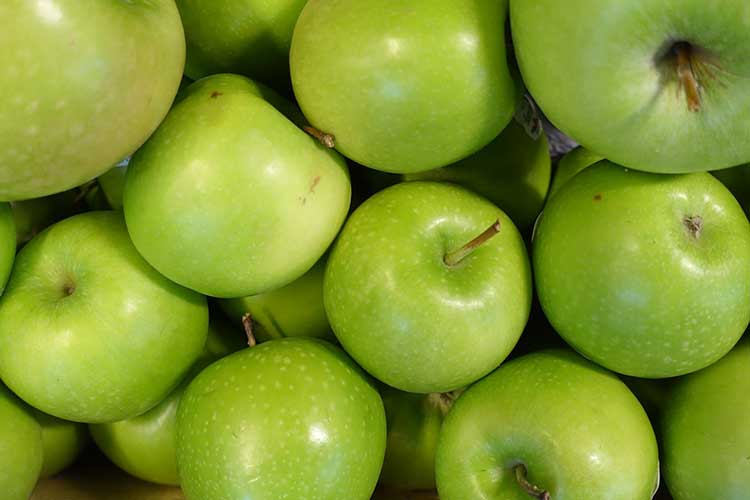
(415,86)
(290,417)
(20,448)
(112,184)
(621,95)
(107,336)
(405,316)
(570,164)
(706,434)
(237,182)
(737,180)
(34,215)
(625,281)
(294,310)
(62,442)
(7,243)
(579,431)
(85,91)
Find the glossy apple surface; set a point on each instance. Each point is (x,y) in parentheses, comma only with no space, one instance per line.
(252,201)
(575,427)
(570,164)
(290,417)
(407,317)
(85,90)
(62,442)
(645,274)
(411,87)
(20,447)
(107,335)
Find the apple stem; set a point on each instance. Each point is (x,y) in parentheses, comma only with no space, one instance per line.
(247,322)
(327,140)
(531,489)
(455,257)
(687,76)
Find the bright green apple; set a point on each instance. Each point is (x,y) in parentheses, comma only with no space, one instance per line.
(229,197)
(414,86)
(656,86)
(570,164)
(89,331)
(32,216)
(513,172)
(7,243)
(706,432)
(737,180)
(409,312)
(294,310)
(647,275)
(555,421)
(83,84)
(20,448)
(62,442)
(249,37)
(291,417)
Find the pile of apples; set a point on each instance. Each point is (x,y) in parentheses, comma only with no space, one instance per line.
(320,249)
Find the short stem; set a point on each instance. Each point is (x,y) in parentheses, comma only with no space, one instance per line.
(247,322)
(453,258)
(325,139)
(687,76)
(531,489)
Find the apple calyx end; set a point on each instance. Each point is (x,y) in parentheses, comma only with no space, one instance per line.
(247,323)
(453,258)
(326,139)
(694,225)
(533,490)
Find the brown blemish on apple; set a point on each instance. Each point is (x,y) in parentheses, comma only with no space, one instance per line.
(694,225)
(314,184)
(598,197)
(216,94)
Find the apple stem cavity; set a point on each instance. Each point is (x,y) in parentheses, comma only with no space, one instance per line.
(247,323)
(533,490)
(453,258)
(327,140)
(686,74)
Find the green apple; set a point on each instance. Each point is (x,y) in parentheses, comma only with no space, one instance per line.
(570,164)
(86,90)
(737,180)
(112,184)
(20,448)
(647,275)
(62,442)
(7,243)
(547,422)
(252,202)
(706,432)
(144,446)
(32,216)
(513,172)
(655,86)
(410,312)
(249,37)
(414,422)
(89,331)
(294,310)
(414,86)
(291,417)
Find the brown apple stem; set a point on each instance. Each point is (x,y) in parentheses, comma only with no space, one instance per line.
(531,489)
(453,258)
(686,75)
(247,322)
(325,139)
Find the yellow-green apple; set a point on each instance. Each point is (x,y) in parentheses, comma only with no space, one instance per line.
(62,442)
(21,451)
(32,216)
(7,243)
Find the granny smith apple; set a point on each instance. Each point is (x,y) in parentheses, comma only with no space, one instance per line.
(513,172)
(62,442)
(294,310)
(32,216)
(706,432)
(411,87)
(7,243)
(112,184)
(291,417)
(570,164)
(144,446)
(20,447)
(417,298)
(83,84)
(548,425)
(647,275)
(414,422)
(737,180)
(89,331)
(249,37)
(655,86)
(251,201)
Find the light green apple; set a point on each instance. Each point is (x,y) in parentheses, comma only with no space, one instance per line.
(406,309)
(112,184)
(20,448)
(252,202)
(513,172)
(32,216)
(89,331)
(291,417)
(647,275)
(570,164)
(83,84)
(62,442)
(294,310)
(737,180)
(249,37)
(414,86)
(549,420)
(655,86)
(7,243)
(706,432)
